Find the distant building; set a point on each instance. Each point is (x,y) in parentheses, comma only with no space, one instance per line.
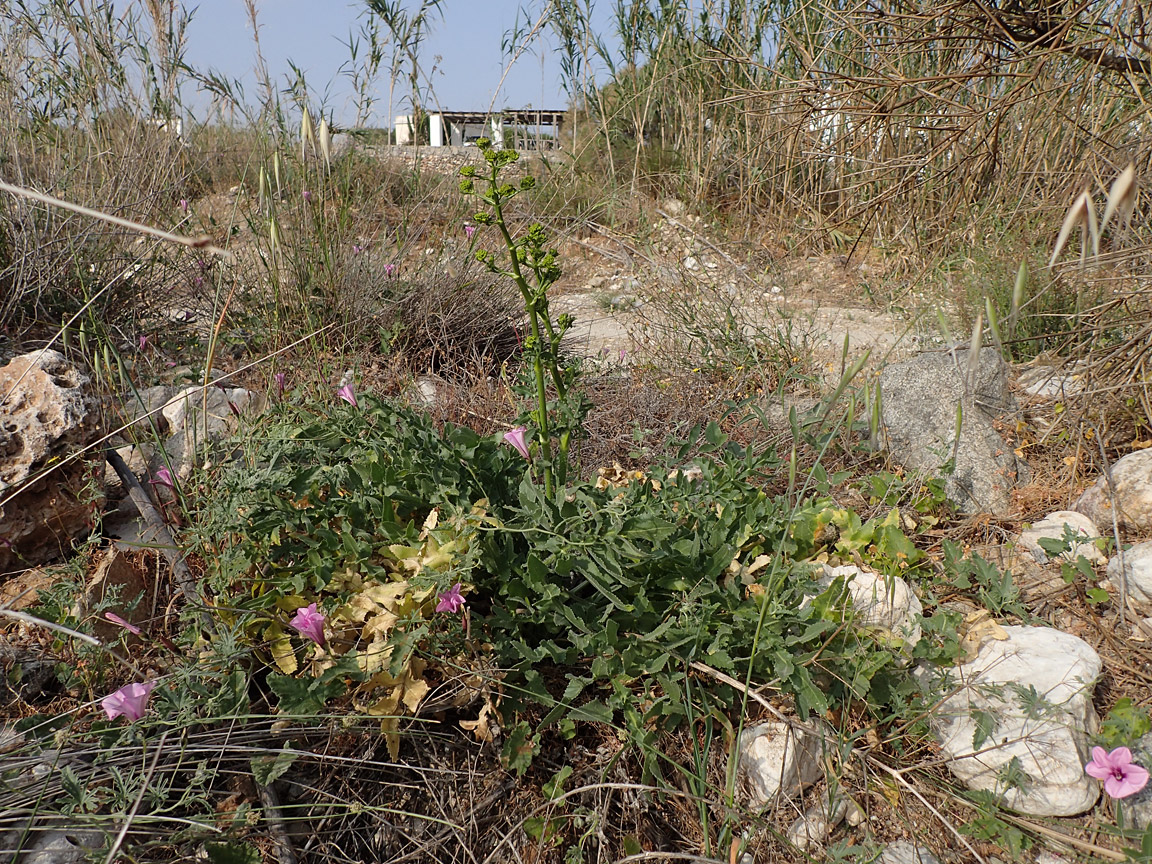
(526,129)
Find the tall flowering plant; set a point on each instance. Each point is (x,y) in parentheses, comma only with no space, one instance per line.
(533,268)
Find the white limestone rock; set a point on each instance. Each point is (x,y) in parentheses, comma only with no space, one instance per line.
(886,603)
(192,427)
(45,419)
(1138,568)
(1132,479)
(778,759)
(1053,526)
(816,824)
(1051,382)
(1033,692)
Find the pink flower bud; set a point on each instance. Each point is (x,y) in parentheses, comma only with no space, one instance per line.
(516,438)
(310,623)
(348,395)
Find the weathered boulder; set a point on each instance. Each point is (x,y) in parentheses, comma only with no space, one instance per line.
(1132,479)
(778,759)
(1053,527)
(1026,698)
(1138,569)
(47,499)
(919,400)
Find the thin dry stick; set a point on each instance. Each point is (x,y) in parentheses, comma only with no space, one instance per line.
(203,243)
(284,853)
(50,625)
(159,528)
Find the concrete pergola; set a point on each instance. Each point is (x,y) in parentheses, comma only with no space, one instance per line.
(460,128)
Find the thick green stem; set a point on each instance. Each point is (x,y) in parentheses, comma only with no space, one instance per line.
(531,305)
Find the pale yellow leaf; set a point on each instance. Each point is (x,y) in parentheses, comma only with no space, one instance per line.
(281,648)
(415,689)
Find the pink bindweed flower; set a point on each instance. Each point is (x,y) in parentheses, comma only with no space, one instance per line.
(120,622)
(310,623)
(1121,776)
(451,600)
(516,438)
(357,248)
(143,342)
(348,395)
(389,270)
(163,477)
(469,230)
(184,204)
(130,700)
(280,378)
(307,196)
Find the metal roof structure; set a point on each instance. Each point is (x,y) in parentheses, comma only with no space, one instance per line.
(525,116)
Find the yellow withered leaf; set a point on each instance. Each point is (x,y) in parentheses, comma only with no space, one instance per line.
(379,625)
(482,727)
(415,689)
(390,728)
(280,647)
(375,657)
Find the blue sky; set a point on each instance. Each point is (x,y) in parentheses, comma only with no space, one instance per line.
(313,34)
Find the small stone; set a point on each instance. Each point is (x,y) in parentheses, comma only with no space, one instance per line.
(1053,527)
(1137,565)
(905,852)
(1132,479)
(776,758)
(817,823)
(883,602)
(1051,382)
(690,263)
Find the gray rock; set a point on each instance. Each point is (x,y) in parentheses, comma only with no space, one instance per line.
(72,846)
(1138,568)
(920,396)
(1132,477)
(904,852)
(1053,527)
(45,419)
(777,759)
(1138,807)
(1033,693)
(194,430)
